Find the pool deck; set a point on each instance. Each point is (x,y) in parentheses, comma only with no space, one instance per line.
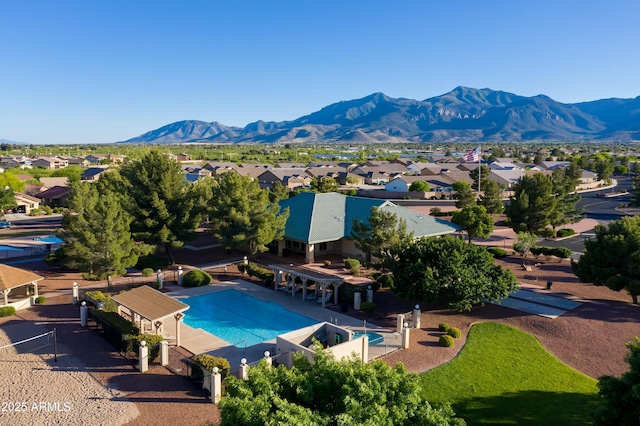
(199,341)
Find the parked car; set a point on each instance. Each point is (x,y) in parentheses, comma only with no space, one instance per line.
(5,224)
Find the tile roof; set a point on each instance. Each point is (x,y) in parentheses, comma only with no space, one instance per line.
(149,303)
(11,277)
(317,218)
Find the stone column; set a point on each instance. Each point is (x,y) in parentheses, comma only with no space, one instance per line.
(405,336)
(84,313)
(400,322)
(369,294)
(267,357)
(160,279)
(164,353)
(244,369)
(143,356)
(180,276)
(416,317)
(216,386)
(178,317)
(310,253)
(74,292)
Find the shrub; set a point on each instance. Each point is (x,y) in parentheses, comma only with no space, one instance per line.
(454,332)
(443,326)
(196,278)
(116,321)
(368,308)
(7,311)
(207,362)
(355,271)
(446,341)
(152,340)
(565,232)
(547,233)
(346,292)
(327,262)
(351,263)
(376,285)
(40,300)
(55,257)
(562,252)
(266,275)
(152,262)
(48,210)
(497,252)
(386,281)
(147,272)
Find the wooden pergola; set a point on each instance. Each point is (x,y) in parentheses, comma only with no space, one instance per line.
(322,281)
(11,278)
(149,307)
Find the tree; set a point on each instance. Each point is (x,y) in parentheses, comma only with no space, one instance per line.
(419,186)
(523,244)
(162,203)
(447,269)
(8,178)
(604,168)
(7,199)
(241,214)
(564,184)
(612,258)
(324,184)
(381,230)
(532,204)
(330,392)
(464,194)
(484,171)
(474,220)
(620,399)
(491,198)
(97,236)
(635,191)
(278,192)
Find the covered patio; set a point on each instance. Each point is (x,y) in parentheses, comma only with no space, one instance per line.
(152,311)
(299,277)
(17,283)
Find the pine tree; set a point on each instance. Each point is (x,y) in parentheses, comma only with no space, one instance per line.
(97,238)
(381,231)
(464,194)
(532,204)
(491,199)
(241,214)
(163,206)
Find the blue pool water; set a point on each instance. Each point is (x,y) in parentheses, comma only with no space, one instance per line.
(55,240)
(10,248)
(374,338)
(239,319)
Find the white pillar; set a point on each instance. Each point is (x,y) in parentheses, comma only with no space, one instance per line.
(160,279)
(74,292)
(35,288)
(244,369)
(365,348)
(143,356)
(356,300)
(369,294)
(164,353)
(400,322)
(84,313)
(405,336)
(216,386)
(416,316)
(267,357)
(180,277)
(178,317)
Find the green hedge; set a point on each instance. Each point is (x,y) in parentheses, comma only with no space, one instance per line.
(207,362)
(559,252)
(266,275)
(152,262)
(368,307)
(40,300)
(116,321)
(98,296)
(346,291)
(196,278)
(7,311)
(562,233)
(497,252)
(147,272)
(152,341)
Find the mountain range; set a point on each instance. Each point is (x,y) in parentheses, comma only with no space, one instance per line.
(462,115)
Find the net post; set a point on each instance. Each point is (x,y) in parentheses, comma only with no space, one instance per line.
(55,346)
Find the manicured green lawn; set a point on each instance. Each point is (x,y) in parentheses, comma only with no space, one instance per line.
(504,376)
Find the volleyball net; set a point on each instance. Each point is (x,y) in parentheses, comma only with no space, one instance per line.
(36,344)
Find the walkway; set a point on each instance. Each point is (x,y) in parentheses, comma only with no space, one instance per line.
(534,301)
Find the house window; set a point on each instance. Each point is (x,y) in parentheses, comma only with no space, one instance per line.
(322,246)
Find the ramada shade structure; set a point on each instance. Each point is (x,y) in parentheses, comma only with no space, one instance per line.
(11,277)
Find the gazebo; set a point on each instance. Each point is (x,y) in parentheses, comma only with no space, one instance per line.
(152,310)
(293,274)
(12,279)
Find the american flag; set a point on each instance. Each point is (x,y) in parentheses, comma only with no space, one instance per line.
(472,156)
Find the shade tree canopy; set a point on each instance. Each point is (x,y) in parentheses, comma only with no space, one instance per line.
(329,392)
(532,204)
(464,194)
(449,270)
(475,221)
(381,230)
(612,257)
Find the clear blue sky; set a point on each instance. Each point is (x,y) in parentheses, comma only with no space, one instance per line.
(89,71)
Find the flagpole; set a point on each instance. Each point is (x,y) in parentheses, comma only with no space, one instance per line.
(479,168)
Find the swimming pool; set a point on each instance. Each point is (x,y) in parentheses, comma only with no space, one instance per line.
(239,319)
(374,338)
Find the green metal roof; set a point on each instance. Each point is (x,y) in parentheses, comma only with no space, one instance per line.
(318,218)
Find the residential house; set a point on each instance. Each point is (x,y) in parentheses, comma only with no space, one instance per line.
(290,178)
(290,166)
(9,162)
(220,167)
(183,156)
(321,223)
(552,165)
(51,163)
(402,183)
(496,165)
(26,203)
(76,161)
(425,169)
(92,174)
(55,197)
(50,182)
(454,176)
(506,178)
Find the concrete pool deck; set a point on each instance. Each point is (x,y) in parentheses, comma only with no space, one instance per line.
(198,341)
